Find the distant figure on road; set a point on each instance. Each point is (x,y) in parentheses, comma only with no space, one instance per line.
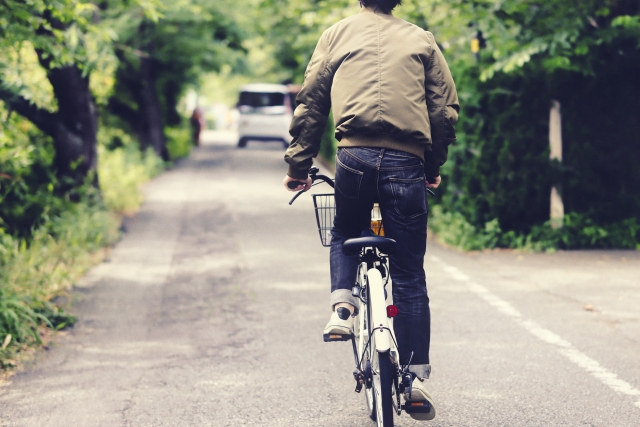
(395,105)
(197,124)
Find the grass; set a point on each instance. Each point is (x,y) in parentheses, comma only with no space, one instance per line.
(121,172)
(578,232)
(179,142)
(34,271)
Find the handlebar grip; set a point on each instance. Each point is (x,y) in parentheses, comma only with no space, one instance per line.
(294,184)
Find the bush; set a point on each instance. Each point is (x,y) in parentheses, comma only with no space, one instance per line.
(121,171)
(578,232)
(329,143)
(179,142)
(48,238)
(500,166)
(34,271)
(28,185)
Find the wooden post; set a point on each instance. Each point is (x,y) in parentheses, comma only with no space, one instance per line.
(555,143)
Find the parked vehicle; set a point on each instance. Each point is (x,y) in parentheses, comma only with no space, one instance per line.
(265,112)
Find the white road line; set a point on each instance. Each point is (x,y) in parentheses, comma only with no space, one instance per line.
(564,347)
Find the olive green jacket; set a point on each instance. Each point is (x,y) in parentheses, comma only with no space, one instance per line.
(389,86)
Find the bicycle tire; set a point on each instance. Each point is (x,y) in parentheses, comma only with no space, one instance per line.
(381,367)
(383,390)
(361,331)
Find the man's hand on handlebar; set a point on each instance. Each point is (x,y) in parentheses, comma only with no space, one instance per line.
(293,184)
(434,182)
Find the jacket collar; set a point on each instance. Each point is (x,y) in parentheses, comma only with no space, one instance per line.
(365,9)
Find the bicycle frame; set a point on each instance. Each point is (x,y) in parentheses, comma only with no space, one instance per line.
(380,327)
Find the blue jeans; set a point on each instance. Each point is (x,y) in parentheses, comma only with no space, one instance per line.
(396,181)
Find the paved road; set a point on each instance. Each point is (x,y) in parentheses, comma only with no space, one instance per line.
(210,310)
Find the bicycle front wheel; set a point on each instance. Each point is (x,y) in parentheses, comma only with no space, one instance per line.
(382,371)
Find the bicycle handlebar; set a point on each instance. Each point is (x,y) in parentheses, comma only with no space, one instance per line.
(313,173)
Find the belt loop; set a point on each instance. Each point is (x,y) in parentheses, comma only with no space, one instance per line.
(380,158)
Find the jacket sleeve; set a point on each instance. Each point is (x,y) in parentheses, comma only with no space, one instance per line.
(310,117)
(443,108)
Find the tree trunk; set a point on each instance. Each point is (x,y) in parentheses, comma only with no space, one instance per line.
(75,134)
(137,78)
(73,127)
(171,97)
(151,126)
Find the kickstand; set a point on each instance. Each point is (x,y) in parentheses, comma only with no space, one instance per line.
(358,375)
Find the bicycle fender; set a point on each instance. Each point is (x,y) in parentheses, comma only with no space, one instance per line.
(378,308)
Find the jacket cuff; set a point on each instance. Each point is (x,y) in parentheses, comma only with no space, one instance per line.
(431,171)
(298,173)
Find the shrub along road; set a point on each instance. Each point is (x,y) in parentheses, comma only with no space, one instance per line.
(210,311)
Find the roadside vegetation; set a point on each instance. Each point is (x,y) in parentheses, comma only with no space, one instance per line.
(90,108)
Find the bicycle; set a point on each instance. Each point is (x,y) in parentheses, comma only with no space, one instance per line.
(374,344)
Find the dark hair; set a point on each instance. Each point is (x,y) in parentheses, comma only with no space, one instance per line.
(384,6)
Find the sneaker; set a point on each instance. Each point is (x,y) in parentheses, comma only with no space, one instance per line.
(419,394)
(340,323)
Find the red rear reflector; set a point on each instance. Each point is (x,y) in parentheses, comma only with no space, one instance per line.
(392,311)
(417,403)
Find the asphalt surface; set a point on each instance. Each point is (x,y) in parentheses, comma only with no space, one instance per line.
(210,312)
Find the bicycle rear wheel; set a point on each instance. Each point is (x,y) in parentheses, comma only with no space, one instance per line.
(361,330)
(383,388)
(381,364)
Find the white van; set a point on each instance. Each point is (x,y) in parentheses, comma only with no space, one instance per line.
(266,111)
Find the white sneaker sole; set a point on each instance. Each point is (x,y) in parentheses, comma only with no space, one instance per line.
(420,395)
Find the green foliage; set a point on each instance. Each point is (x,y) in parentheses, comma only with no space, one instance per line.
(291,29)
(48,240)
(189,37)
(122,169)
(28,186)
(65,32)
(50,234)
(329,144)
(34,271)
(61,29)
(578,232)
(498,172)
(179,142)
(499,169)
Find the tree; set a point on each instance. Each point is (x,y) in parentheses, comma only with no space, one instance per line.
(67,43)
(157,60)
(586,57)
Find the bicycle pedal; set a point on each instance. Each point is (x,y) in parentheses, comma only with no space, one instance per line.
(337,337)
(422,406)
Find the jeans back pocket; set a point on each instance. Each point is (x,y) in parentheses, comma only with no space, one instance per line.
(409,196)
(348,180)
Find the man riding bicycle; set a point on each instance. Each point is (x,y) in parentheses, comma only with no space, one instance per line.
(394,104)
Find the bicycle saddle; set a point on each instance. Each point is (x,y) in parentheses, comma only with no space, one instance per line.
(368,239)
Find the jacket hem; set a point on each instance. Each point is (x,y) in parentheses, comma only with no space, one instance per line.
(384,141)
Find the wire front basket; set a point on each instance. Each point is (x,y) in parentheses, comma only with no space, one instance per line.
(325,211)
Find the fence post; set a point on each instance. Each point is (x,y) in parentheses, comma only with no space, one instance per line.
(555,152)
